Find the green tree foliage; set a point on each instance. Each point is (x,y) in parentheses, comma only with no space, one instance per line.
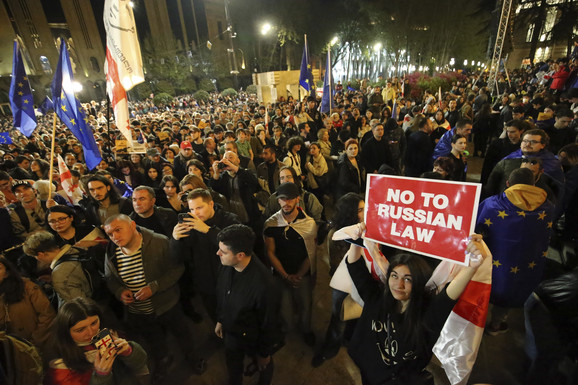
(229,92)
(202,95)
(162,99)
(252,89)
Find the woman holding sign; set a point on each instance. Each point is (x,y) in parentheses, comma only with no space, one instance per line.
(393,339)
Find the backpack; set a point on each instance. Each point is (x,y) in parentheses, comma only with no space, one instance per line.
(93,271)
(20,362)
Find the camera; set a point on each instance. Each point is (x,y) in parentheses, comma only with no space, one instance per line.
(221,165)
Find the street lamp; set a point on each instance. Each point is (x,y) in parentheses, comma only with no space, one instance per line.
(466,62)
(377,47)
(266,28)
(334,41)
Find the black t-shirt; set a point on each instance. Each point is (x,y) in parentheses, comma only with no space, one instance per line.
(151,223)
(289,246)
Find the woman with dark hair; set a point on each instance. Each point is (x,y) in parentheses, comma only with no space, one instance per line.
(65,225)
(483,129)
(349,210)
(400,323)
(167,169)
(459,143)
(136,160)
(440,126)
(169,197)
(443,166)
(293,158)
(196,167)
(169,154)
(128,174)
(39,169)
(350,172)
(79,361)
(152,177)
(25,311)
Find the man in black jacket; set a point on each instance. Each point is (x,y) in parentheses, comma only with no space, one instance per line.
(375,151)
(419,148)
(146,214)
(248,306)
(196,241)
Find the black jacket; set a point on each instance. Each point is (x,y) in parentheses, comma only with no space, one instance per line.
(374,153)
(167,218)
(348,178)
(91,207)
(248,309)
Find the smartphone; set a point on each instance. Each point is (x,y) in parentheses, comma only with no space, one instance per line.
(182,217)
(103,342)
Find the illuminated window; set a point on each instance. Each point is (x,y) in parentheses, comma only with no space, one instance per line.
(45,63)
(530,32)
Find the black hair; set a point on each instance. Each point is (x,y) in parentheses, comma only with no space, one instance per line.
(113,194)
(419,297)
(238,238)
(346,210)
(71,313)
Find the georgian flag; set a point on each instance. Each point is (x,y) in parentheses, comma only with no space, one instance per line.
(123,64)
(73,191)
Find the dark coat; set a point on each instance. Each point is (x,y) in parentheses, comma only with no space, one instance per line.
(348,179)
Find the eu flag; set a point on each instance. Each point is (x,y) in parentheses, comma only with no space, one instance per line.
(5,138)
(69,110)
(306,76)
(516,226)
(20,95)
(327,86)
(46,106)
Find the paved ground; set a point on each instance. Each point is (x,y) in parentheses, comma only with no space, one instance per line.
(500,360)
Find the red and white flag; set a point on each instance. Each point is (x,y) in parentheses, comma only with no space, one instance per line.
(123,64)
(72,190)
(458,344)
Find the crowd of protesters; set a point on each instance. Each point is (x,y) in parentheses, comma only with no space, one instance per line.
(260,186)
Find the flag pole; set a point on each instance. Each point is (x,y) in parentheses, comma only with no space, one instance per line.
(52,156)
(330,78)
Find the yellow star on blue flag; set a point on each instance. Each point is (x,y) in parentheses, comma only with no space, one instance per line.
(67,107)
(20,94)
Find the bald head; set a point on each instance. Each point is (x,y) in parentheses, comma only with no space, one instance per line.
(232,157)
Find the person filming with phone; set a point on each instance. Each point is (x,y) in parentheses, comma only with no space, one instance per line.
(86,354)
(195,238)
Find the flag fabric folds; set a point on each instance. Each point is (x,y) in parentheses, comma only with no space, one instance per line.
(122,42)
(306,75)
(69,110)
(5,138)
(326,101)
(123,64)
(20,94)
(46,106)
(73,191)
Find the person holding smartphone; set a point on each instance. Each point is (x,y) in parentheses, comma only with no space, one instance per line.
(79,362)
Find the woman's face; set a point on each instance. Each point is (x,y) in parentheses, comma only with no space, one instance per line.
(296,148)
(169,155)
(439,116)
(261,135)
(325,136)
(460,145)
(125,170)
(153,173)
(400,283)
(194,170)
(135,158)
(170,189)
(361,211)
(34,167)
(440,170)
(60,222)
(83,331)
(351,150)
(102,165)
(3,272)
(314,150)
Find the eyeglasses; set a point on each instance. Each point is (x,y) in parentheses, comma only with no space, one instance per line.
(58,220)
(532,142)
(533,162)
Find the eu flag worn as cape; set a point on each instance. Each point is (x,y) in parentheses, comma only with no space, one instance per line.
(516,226)
(20,95)
(69,110)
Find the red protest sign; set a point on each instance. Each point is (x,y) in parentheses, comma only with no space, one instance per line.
(425,216)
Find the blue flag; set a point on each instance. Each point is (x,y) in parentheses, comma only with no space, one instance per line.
(327,87)
(5,138)
(46,106)
(20,94)
(306,75)
(351,89)
(69,110)
(518,236)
